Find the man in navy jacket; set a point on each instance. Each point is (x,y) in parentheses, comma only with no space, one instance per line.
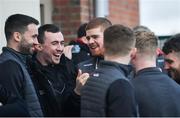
(21,36)
(108,92)
(157,94)
(11,106)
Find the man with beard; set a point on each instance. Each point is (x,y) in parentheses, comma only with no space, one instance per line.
(21,35)
(94,34)
(171,49)
(54,76)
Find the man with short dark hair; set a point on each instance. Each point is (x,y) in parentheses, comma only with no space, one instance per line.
(157,95)
(54,76)
(171,49)
(80,51)
(108,92)
(21,35)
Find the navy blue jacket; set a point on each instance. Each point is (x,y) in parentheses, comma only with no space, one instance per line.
(15,77)
(157,94)
(108,92)
(11,105)
(90,65)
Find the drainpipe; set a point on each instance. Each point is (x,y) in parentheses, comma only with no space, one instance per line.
(102,8)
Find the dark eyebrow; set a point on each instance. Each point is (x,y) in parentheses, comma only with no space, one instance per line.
(34,36)
(169,61)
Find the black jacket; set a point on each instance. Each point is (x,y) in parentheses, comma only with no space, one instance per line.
(157,94)
(108,92)
(11,105)
(90,65)
(15,77)
(54,86)
(82,54)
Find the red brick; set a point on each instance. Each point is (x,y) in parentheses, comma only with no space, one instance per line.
(69,15)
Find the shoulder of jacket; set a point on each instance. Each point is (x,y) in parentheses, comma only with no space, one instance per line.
(88,62)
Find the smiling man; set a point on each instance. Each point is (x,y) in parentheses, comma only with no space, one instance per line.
(50,49)
(21,35)
(55,77)
(94,34)
(171,49)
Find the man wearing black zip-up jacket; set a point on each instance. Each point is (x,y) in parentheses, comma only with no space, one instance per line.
(54,85)
(108,92)
(56,79)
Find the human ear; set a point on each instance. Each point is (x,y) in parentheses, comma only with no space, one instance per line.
(38,47)
(133,53)
(17,36)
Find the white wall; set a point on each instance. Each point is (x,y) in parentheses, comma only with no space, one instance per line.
(9,7)
(47,11)
(161,16)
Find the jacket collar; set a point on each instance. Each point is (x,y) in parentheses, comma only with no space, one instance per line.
(149,69)
(126,69)
(63,61)
(22,57)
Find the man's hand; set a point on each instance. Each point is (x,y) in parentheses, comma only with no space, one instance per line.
(80,81)
(68,52)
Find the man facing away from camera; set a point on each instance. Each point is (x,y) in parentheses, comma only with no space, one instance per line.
(108,92)
(157,95)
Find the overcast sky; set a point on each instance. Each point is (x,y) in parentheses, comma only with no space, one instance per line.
(161,16)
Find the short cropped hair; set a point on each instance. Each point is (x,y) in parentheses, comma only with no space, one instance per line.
(118,40)
(172,44)
(146,42)
(141,28)
(18,23)
(46,28)
(81,30)
(101,22)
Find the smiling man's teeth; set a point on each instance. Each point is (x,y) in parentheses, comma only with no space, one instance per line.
(57,55)
(93,47)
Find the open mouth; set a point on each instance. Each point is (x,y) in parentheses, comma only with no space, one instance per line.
(57,55)
(93,46)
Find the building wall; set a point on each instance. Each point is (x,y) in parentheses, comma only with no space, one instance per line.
(46,11)
(9,7)
(125,12)
(66,14)
(69,14)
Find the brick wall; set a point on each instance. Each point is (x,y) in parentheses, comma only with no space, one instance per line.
(66,14)
(124,11)
(69,14)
